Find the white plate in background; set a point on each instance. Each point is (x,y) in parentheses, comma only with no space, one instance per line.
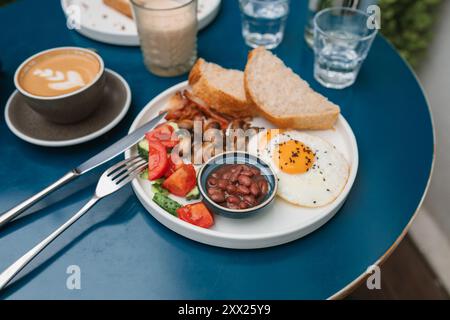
(102,23)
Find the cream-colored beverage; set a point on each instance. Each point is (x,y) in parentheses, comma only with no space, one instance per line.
(59,72)
(168,34)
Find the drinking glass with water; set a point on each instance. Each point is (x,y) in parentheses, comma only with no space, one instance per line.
(263,22)
(342,40)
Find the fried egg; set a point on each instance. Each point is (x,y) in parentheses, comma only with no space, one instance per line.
(310,171)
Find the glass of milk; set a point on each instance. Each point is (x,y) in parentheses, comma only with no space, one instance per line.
(168,34)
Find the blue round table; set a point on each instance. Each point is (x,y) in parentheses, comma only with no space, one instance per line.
(123,252)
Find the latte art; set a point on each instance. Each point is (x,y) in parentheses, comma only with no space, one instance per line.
(57,80)
(59,72)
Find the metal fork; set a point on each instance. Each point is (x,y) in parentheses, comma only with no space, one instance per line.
(111,180)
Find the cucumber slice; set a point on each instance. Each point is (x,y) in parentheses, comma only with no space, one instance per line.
(144,174)
(143,148)
(158,181)
(157,188)
(166,203)
(194,194)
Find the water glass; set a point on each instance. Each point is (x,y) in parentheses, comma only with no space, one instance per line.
(263,22)
(342,40)
(168,34)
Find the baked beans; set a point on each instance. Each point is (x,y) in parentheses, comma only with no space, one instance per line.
(237,186)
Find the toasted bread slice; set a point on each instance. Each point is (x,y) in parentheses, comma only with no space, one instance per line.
(123,6)
(283,97)
(222,89)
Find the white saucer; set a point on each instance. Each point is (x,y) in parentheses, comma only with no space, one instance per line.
(28,125)
(102,23)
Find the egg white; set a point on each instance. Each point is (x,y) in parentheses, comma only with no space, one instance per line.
(317,187)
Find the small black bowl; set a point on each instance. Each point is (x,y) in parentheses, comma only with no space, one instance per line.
(237,157)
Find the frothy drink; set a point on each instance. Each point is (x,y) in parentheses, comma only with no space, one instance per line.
(59,72)
(168,34)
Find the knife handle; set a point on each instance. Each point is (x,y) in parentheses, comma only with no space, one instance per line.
(17,210)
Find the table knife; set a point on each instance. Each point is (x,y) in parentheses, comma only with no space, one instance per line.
(104,156)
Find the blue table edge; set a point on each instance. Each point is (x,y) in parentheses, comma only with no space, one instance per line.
(349,288)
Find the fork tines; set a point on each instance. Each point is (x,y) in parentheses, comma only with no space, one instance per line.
(126,170)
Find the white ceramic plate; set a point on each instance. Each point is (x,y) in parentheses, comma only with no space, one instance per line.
(282,222)
(102,23)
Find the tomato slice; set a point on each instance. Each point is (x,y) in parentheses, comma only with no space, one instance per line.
(164,134)
(181,181)
(158,163)
(197,214)
(175,162)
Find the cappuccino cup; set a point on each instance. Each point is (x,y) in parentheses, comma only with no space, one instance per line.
(64,85)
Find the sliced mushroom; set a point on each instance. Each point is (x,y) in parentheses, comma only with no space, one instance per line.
(212,124)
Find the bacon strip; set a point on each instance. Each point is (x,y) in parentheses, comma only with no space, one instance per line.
(207,110)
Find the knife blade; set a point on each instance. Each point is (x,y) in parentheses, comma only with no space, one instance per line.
(118,147)
(100,158)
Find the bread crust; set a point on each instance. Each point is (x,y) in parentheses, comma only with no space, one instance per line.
(319,121)
(214,97)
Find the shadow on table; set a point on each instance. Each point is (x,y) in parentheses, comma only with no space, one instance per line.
(125,212)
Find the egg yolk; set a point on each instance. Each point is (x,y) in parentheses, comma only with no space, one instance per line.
(293,157)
